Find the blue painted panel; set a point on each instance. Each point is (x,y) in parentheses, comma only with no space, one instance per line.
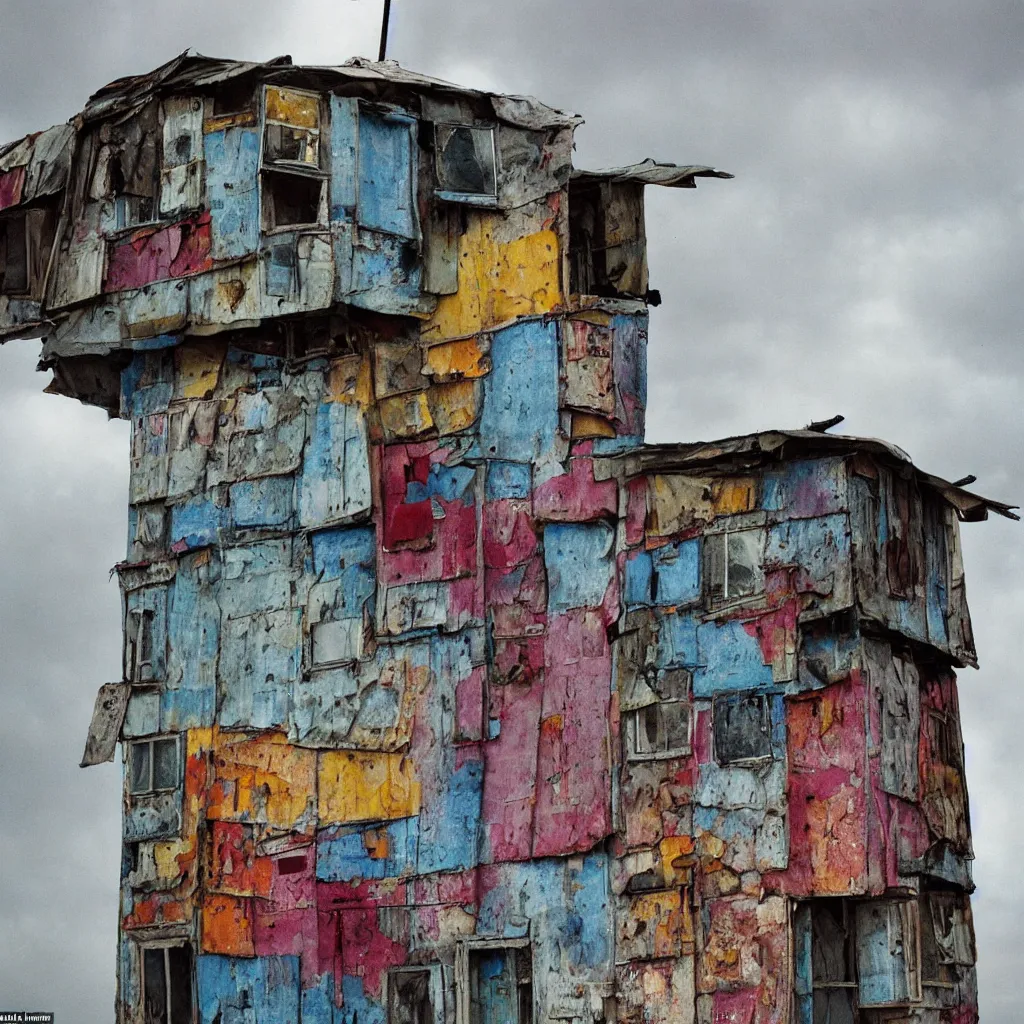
(197,522)
(151,400)
(810,487)
(520,415)
(189,700)
(131,375)
(266,501)
(677,641)
(677,573)
(579,559)
(386,273)
(237,990)
(802,977)
(507,480)
(232,188)
(639,580)
(335,481)
(387,173)
(819,545)
(497,995)
(342,854)
(881,967)
(347,554)
(357,1007)
(730,659)
(318,1001)
(344,129)
(450,483)
(450,818)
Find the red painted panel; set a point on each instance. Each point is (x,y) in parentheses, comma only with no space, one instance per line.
(159,254)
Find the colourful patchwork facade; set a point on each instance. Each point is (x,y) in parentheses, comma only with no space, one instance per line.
(445,698)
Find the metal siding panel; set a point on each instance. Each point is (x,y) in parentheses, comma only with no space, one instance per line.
(232,188)
(387,174)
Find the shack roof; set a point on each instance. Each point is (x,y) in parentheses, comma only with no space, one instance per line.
(194,71)
(775,445)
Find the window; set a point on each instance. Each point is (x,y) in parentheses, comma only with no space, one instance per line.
(415,995)
(946,937)
(140,645)
(863,955)
(494,981)
(466,162)
(167,984)
(732,565)
(741,725)
(13,255)
(661,729)
(154,766)
(607,241)
(290,200)
(944,738)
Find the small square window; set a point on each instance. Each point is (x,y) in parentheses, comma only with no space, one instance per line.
(167,985)
(154,766)
(466,162)
(415,995)
(290,200)
(661,729)
(732,565)
(742,728)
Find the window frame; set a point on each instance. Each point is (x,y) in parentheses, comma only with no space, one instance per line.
(633,721)
(140,642)
(464,950)
(166,945)
(151,741)
(438,993)
(484,199)
(766,713)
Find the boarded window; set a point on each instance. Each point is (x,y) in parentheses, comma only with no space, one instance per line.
(154,766)
(607,241)
(496,983)
(742,728)
(13,255)
(732,565)
(167,985)
(415,996)
(661,729)
(466,164)
(290,200)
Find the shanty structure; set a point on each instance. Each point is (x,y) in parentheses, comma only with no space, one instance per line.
(445,698)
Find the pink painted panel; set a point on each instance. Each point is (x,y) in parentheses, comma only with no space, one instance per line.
(160,253)
(576,496)
(11,183)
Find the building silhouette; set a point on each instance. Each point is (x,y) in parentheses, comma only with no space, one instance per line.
(445,698)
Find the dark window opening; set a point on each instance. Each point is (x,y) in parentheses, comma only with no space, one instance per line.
(154,766)
(500,986)
(411,997)
(291,865)
(833,963)
(742,728)
(290,200)
(947,940)
(167,985)
(13,255)
(236,96)
(466,162)
(607,240)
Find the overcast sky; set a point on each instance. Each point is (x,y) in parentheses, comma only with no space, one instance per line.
(866,260)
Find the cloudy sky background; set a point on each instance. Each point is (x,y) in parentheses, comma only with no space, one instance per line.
(865,261)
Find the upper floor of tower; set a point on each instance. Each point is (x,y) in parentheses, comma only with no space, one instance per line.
(213,195)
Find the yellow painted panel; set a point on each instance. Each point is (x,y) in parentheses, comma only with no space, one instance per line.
(349,380)
(497,282)
(198,368)
(465,358)
(369,786)
(733,496)
(455,406)
(405,415)
(673,849)
(166,854)
(299,109)
(585,424)
(262,779)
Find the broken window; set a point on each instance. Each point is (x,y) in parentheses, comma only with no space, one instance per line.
(944,738)
(154,766)
(742,728)
(661,729)
(167,984)
(292,128)
(139,642)
(495,981)
(13,255)
(855,954)
(732,565)
(607,240)
(290,200)
(415,995)
(466,162)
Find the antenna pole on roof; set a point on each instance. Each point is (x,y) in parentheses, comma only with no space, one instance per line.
(384,31)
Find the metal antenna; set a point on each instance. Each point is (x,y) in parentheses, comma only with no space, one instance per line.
(384,31)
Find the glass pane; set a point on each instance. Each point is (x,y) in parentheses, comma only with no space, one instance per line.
(741,729)
(465,161)
(676,719)
(180,972)
(743,553)
(140,768)
(154,985)
(165,764)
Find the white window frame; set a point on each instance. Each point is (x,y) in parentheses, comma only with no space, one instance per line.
(150,741)
(488,199)
(166,945)
(633,732)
